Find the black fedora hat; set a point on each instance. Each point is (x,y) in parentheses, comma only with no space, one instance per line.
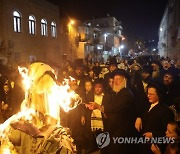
(147,69)
(121,72)
(113,61)
(172,72)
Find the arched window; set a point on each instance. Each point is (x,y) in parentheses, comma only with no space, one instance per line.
(32,24)
(17,21)
(43,27)
(53,29)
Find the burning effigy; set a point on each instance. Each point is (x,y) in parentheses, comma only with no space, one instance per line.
(37,127)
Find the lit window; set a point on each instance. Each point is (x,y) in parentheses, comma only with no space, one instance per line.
(32,22)
(17,21)
(43,27)
(53,29)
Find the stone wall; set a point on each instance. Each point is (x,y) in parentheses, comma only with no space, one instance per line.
(22,46)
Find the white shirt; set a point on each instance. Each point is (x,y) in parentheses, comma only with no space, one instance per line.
(97,124)
(145,86)
(153,105)
(98,98)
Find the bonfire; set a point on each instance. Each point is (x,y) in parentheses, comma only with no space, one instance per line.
(37,127)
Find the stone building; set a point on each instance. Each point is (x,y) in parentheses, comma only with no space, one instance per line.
(169,31)
(33,30)
(71,31)
(29,31)
(105,37)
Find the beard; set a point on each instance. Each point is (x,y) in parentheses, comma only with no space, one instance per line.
(116,88)
(146,80)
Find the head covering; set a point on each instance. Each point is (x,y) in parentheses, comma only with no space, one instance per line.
(147,69)
(121,72)
(99,81)
(158,86)
(172,72)
(113,61)
(157,62)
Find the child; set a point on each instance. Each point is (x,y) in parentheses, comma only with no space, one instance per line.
(173,131)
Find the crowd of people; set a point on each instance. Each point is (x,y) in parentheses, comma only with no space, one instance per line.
(125,100)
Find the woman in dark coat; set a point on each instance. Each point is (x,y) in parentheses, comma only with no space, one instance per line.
(156,118)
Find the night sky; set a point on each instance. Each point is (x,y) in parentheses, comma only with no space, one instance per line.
(140,18)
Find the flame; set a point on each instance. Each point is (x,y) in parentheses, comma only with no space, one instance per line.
(58,95)
(26,115)
(66,96)
(26,79)
(55,97)
(7,148)
(6,145)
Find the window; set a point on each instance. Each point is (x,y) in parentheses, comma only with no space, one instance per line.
(53,29)
(43,27)
(17,21)
(32,22)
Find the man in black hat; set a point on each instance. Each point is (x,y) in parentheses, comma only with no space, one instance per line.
(157,70)
(78,73)
(141,85)
(121,113)
(171,85)
(112,67)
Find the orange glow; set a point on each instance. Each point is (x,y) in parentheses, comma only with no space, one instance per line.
(42,88)
(123,38)
(7,148)
(26,79)
(72,22)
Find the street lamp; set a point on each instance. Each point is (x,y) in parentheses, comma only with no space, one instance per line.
(71,23)
(71,30)
(105,37)
(122,47)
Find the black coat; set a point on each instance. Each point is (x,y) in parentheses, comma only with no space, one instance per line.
(156,121)
(171,94)
(142,103)
(121,116)
(121,113)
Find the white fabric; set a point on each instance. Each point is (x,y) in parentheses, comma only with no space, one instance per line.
(96,116)
(145,85)
(153,105)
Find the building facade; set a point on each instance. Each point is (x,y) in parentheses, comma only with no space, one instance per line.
(29,31)
(169,31)
(32,30)
(105,37)
(71,31)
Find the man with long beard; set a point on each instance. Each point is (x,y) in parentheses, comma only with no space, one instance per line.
(121,114)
